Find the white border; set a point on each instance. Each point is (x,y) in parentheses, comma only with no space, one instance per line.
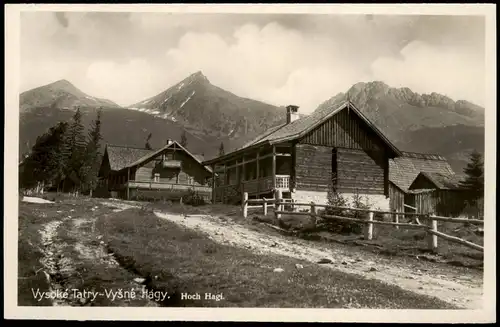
(12,48)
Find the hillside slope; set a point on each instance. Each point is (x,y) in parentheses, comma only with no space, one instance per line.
(206,109)
(60,94)
(119,126)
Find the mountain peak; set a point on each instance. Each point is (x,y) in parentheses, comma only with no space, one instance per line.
(60,94)
(62,83)
(370,87)
(198,76)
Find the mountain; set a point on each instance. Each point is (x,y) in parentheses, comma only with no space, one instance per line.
(396,111)
(205,109)
(119,126)
(455,142)
(60,94)
(209,115)
(430,123)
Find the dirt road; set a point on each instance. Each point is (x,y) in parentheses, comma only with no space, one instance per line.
(75,259)
(461,290)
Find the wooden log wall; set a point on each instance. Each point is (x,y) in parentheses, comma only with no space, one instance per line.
(313,167)
(345,130)
(190,171)
(357,170)
(396,198)
(426,202)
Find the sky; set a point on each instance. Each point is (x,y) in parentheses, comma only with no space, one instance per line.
(281,59)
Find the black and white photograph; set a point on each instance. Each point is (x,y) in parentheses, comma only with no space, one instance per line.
(294,162)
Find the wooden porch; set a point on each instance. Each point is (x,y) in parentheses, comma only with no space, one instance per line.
(152,185)
(126,189)
(257,172)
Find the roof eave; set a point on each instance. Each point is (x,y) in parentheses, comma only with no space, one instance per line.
(345,104)
(234,153)
(390,145)
(141,160)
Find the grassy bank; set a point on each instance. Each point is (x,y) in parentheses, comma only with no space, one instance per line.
(79,260)
(30,274)
(387,240)
(178,261)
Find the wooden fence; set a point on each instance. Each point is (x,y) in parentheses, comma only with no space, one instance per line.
(430,226)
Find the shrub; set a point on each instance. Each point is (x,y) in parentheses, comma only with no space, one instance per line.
(193,198)
(342,226)
(233,195)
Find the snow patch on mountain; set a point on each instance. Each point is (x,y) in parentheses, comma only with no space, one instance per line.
(189,98)
(166,99)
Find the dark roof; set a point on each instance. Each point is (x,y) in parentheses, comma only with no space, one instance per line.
(199,157)
(153,153)
(122,156)
(403,170)
(442,181)
(300,127)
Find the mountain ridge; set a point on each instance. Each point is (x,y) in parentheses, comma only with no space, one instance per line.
(60,94)
(211,115)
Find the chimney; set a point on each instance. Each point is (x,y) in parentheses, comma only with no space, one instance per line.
(291,113)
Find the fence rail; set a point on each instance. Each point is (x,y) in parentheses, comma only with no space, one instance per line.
(430,226)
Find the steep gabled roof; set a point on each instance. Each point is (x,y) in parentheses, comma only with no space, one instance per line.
(263,135)
(442,181)
(199,157)
(300,127)
(121,156)
(154,153)
(404,169)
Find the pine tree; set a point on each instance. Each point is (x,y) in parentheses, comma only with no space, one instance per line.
(184,139)
(57,158)
(90,165)
(221,149)
(74,149)
(148,146)
(44,165)
(474,180)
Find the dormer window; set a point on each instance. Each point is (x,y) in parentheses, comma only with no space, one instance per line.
(157,177)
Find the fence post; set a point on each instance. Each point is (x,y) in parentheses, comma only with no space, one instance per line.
(244,204)
(264,205)
(313,212)
(277,206)
(433,239)
(369,227)
(396,219)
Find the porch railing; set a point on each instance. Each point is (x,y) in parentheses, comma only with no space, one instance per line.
(166,186)
(265,184)
(283,182)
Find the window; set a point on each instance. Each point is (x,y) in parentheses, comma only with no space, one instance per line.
(190,180)
(157,177)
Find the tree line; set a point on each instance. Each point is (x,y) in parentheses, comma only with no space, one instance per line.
(64,158)
(473,182)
